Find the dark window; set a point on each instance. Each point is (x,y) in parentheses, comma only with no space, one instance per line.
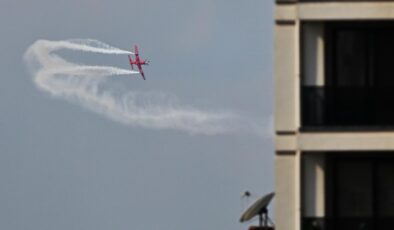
(360,54)
(359,193)
(359,78)
(354,189)
(350,59)
(362,193)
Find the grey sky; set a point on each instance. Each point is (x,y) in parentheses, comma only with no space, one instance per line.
(63,167)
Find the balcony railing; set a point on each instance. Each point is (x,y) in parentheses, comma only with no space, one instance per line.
(347,107)
(342,0)
(348,223)
(287,1)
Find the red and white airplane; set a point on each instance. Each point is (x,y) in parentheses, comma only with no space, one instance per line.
(138,62)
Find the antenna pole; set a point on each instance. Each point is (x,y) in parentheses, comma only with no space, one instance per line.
(266,219)
(261,219)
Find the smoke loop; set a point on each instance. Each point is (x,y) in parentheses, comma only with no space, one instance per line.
(82,84)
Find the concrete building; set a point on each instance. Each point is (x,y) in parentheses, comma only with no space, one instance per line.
(334,114)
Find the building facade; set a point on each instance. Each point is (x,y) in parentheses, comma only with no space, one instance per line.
(334,114)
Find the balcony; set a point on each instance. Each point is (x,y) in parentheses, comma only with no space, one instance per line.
(347,108)
(348,223)
(359,193)
(287,1)
(342,0)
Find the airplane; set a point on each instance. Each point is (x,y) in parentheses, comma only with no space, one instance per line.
(138,62)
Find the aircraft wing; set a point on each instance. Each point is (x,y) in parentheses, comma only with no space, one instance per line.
(141,71)
(131,62)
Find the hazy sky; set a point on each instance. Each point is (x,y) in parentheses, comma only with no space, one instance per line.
(64,167)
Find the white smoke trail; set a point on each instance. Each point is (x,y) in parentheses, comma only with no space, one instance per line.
(87,45)
(86,85)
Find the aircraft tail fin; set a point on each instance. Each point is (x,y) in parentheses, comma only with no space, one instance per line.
(136,49)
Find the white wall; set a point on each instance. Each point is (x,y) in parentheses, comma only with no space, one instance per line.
(312,54)
(286,191)
(313,179)
(286,81)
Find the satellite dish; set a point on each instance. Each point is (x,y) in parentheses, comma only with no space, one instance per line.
(259,208)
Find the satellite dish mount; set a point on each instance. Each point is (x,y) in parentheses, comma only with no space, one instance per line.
(263,218)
